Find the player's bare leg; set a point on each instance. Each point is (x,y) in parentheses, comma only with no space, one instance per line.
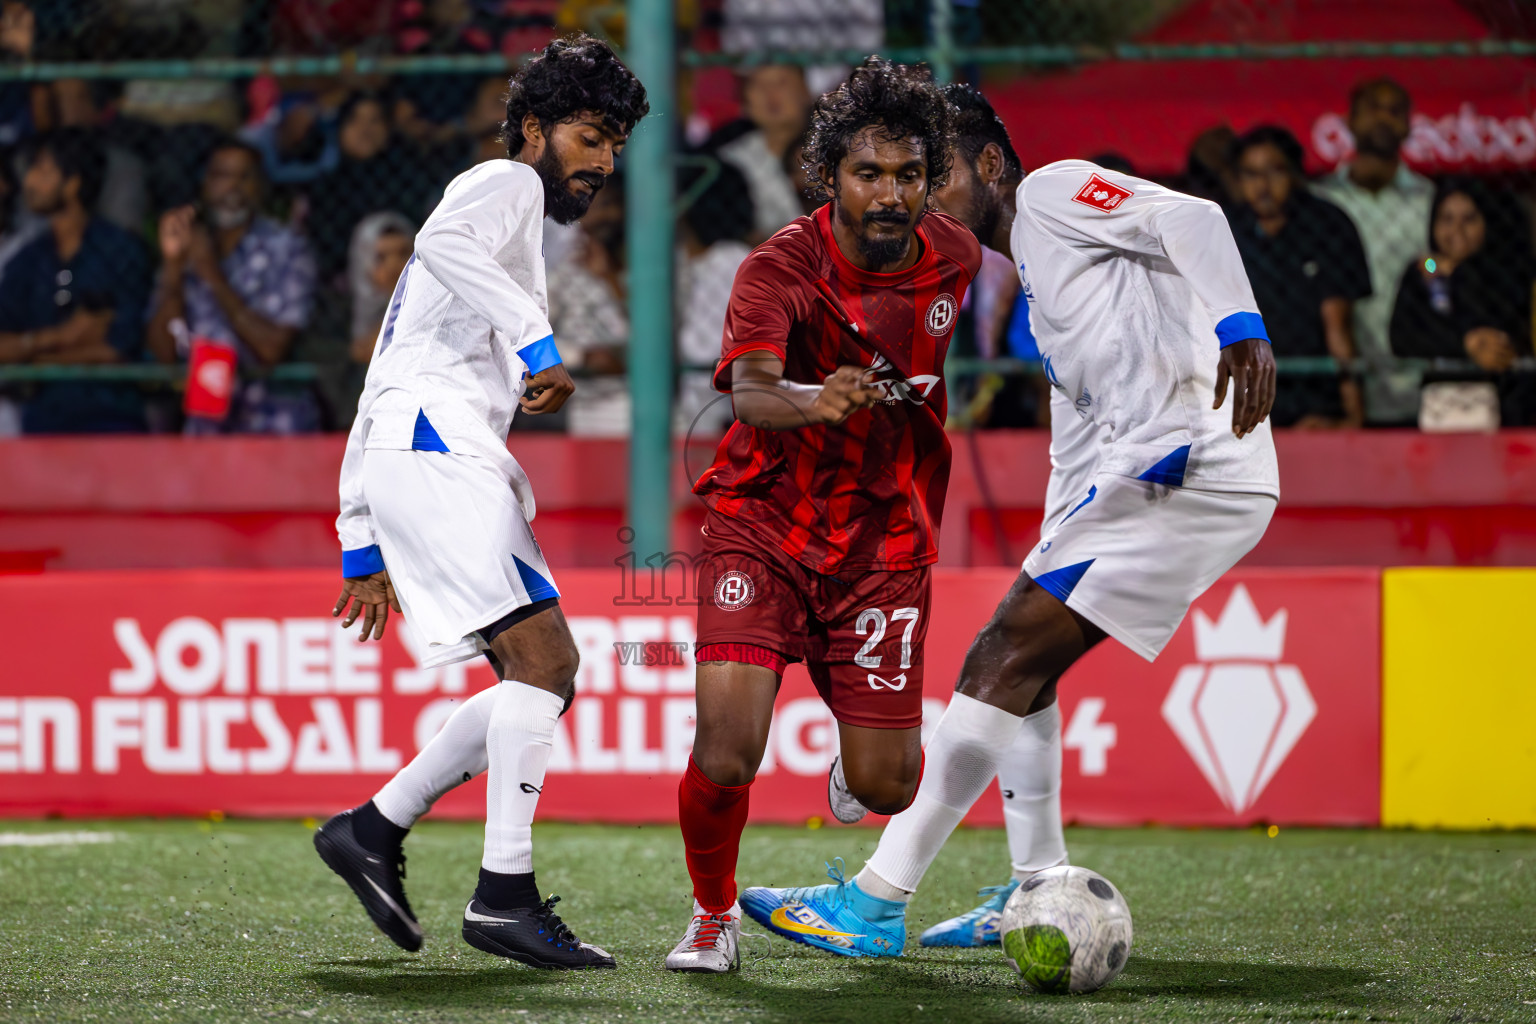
(881,767)
(735,710)
(1031,639)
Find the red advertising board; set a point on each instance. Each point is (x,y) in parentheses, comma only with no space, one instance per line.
(184,692)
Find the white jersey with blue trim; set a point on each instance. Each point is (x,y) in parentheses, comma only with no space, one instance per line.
(1133,289)
(468,319)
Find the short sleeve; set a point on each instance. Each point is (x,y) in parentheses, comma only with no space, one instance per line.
(760,312)
(1348,273)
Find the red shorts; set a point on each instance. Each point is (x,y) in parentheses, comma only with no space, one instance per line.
(860,633)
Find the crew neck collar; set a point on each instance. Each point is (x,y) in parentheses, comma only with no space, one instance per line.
(847,268)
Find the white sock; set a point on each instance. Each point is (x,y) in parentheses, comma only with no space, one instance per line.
(518,742)
(452,757)
(1029,777)
(962,758)
(874,885)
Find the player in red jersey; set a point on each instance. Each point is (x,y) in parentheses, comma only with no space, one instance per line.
(825,496)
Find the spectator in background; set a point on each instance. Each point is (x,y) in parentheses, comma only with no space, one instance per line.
(587,310)
(429,108)
(15,232)
(1307,267)
(297,136)
(382,244)
(75,294)
(1208,170)
(377,171)
(1390,206)
(712,239)
(236,279)
(777,107)
(481,139)
(78,103)
(18,35)
(1469,295)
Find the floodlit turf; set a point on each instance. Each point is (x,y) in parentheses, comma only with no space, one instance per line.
(195,921)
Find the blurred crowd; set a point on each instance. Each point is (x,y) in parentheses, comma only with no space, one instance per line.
(238,226)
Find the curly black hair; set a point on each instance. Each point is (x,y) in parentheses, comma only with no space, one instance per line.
(977,125)
(900,101)
(573,74)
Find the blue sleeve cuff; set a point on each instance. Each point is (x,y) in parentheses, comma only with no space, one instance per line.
(362,562)
(540,355)
(1240,327)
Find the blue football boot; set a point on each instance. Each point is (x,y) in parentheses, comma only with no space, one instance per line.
(840,918)
(980,927)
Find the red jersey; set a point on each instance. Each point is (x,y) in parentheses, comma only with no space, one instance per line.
(869,492)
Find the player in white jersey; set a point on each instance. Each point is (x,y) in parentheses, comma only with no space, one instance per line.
(436,511)
(1143,314)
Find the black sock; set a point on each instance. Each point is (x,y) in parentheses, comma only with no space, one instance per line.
(376,833)
(507,892)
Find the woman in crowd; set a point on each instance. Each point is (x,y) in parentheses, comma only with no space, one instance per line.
(378,170)
(381,246)
(1469,296)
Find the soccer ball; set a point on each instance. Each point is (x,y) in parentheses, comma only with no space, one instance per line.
(1067,930)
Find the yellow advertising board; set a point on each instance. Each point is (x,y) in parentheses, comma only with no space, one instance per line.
(1459,698)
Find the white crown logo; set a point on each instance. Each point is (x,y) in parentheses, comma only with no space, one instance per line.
(1239,635)
(1238,713)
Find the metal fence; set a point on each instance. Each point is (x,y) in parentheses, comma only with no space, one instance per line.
(355,116)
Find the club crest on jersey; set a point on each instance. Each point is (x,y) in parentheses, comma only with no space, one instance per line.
(734,591)
(1101,194)
(941,315)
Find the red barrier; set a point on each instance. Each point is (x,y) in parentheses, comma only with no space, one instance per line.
(186,692)
(1349,498)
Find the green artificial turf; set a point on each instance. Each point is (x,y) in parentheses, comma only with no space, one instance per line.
(236,921)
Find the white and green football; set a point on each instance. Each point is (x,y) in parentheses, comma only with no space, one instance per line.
(1067,930)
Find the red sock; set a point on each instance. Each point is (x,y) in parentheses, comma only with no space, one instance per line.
(712,818)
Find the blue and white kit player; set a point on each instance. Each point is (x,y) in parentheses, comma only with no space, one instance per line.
(1143,314)
(435,511)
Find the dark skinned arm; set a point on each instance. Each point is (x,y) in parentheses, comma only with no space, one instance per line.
(170,304)
(763,398)
(82,339)
(1339,335)
(1250,366)
(269,341)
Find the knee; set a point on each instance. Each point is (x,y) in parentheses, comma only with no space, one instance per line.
(725,765)
(552,667)
(1017,653)
(885,792)
(726,756)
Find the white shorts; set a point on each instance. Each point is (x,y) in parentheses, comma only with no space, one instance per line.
(456,546)
(1131,556)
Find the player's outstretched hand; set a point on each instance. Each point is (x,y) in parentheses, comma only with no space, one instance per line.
(842,393)
(372,597)
(1250,366)
(547,390)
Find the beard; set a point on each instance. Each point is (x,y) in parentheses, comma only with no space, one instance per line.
(985,214)
(1381,140)
(227,218)
(560,203)
(882,251)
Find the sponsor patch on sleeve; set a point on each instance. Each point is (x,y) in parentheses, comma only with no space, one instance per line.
(1101,194)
